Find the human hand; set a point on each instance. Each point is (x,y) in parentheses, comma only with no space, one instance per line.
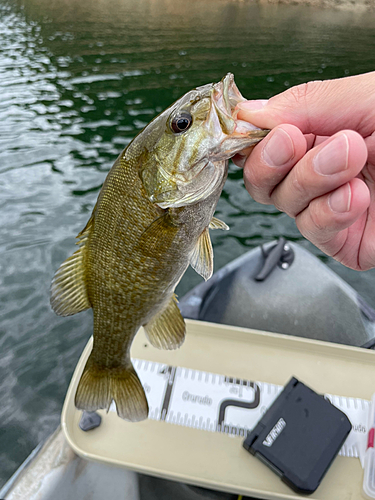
(318,163)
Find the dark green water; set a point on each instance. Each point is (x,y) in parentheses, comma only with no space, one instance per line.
(77,82)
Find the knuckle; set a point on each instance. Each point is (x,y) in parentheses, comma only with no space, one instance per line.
(316,221)
(301,93)
(312,226)
(298,94)
(291,199)
(302,96)
(298,186)
(279,205)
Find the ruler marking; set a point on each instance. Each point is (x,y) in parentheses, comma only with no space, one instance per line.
(205,398)
(168,391)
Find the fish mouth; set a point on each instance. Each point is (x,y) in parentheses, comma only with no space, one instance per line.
(226,96)
(235,134)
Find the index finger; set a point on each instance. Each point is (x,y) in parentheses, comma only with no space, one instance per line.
(319,107)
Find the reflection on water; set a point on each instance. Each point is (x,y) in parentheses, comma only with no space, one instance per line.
(77,81)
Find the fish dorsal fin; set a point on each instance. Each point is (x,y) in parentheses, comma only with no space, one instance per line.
(202,258)
(68,287)
(218,224)
(167,329)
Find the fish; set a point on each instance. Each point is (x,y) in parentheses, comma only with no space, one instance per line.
(150,222)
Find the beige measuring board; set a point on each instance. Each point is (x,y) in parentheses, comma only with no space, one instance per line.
(181,440)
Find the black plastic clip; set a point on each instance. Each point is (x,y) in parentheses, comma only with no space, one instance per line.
(281,254)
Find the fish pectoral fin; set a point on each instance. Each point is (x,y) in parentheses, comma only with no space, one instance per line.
(68,287)
(99,386)
(218,224)
(159,235)
(202,258)
(167,329)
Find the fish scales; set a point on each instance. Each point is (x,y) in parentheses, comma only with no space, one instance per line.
(127,302)
(150,222)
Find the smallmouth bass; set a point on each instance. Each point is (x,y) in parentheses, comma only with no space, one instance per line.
(151,221)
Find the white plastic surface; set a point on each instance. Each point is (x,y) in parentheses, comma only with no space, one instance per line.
(369,469)
(212,459)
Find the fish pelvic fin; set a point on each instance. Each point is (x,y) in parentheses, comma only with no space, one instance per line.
(99,386)
(167,329)
(202,257)
(218,224)
(68,287)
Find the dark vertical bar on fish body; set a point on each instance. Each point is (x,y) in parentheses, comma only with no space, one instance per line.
(168,392)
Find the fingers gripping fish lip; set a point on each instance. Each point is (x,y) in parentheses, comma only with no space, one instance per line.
(236,134)
(193,137)
(227,95)
(224,98)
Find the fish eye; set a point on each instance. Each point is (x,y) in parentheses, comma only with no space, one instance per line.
(181,122)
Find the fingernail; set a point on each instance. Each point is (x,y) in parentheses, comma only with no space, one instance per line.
(333,158)
(253,105)
(339,201)
(279,149)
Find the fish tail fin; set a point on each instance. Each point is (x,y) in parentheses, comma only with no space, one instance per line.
(99,386)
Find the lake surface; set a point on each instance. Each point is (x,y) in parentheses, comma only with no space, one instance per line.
(77,81)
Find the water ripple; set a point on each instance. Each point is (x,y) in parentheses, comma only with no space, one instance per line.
(77,81)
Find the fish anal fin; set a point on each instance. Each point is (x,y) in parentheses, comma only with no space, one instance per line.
(99,386)
(218,224)
(202,258)
(167,329)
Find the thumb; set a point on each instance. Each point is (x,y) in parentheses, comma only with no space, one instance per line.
(320,107)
